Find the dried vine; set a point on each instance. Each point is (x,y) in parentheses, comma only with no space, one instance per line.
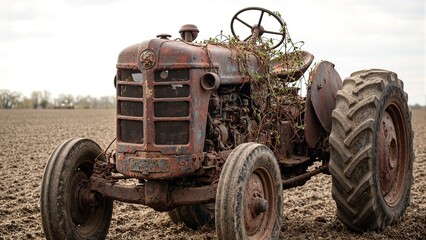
(271,94)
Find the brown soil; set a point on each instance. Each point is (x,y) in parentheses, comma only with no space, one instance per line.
(27,137)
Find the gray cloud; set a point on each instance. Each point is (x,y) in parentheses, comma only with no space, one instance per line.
(351,33)
(26,19)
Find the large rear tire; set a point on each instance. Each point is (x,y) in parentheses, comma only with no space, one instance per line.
(69,210)
(371,154)
(249,195)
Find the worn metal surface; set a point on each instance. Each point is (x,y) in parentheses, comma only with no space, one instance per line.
(182,107)
(189,32)
(192,195)
(312,125)
(286,133)
(120,192)
(295,181)
(387,148)
(155,165)
(81,199)
(391,155)
(256,203)
(325,82)
(156,194)
(293,66)
(162,107)
(258,28)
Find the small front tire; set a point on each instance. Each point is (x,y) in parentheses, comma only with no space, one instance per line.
(69,210)
(249,196)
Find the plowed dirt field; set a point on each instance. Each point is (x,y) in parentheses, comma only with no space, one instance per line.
(27,137)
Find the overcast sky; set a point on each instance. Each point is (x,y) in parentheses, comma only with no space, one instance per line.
(71,46)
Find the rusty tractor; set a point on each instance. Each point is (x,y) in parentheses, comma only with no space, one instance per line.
(212,132)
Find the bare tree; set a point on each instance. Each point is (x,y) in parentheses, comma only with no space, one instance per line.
(36,98)
(107,102)
(9,99)
(41,99)
(44,99)
(64,101)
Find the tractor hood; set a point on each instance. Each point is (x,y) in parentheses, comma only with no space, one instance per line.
(160,54)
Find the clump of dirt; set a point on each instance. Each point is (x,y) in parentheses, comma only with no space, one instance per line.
(29,136)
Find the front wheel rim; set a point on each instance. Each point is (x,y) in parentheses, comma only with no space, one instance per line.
(87,210)
(259,204)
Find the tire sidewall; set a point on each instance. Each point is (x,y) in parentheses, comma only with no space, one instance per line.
(82,153)
(243,161)
(264,160)
(71,155)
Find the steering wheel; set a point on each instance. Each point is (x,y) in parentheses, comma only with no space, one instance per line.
(257,30)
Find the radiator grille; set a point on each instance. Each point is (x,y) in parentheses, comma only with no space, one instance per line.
(133,91)
(172,75)
(131,131)
(171,109)
(171,91)
(169,118)
(134,109)
(130,106)
(171,132)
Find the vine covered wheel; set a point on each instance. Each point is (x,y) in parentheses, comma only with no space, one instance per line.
(258,28)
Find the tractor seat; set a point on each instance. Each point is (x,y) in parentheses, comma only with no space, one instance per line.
(292,65)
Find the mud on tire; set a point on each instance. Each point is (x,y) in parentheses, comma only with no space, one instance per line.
(249,195)
(65,213)
(371,154)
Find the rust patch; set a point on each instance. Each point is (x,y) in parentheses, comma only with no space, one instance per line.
(325,82)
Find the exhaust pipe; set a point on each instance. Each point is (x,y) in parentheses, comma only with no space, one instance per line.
(210,81)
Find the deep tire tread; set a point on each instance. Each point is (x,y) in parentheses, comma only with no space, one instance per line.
(367,125)
(353,121)
(362,105)
(56,221)
(359,157)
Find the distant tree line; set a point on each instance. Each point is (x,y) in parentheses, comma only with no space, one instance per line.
(42,100)
(417,107)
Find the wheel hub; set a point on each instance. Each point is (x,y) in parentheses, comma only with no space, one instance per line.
(390,156)
(82,199)
(255,204)
(260,206)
